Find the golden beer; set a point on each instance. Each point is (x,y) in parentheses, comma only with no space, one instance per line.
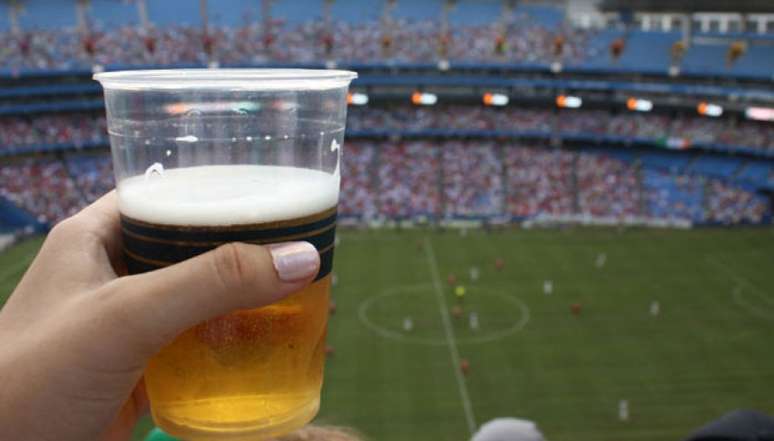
(249,374)
(244,371)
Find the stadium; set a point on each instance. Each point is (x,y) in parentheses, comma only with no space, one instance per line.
(596,178)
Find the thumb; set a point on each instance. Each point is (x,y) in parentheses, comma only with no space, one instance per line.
(159,305)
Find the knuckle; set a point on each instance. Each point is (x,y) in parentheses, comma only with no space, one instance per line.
(74,226)
(232,267)
(65,228)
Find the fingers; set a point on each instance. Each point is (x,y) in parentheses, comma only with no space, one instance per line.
(81,251)
(158,305)
(101,219)
(92,238)
(104,218)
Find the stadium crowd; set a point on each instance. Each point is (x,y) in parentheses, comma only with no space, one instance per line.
(408,179)
(595,122)
(43,187)
(673,195)
(357,181)
(472,179)
(521,39)
(539,181)
(607,187)
(78,128)
(445,180)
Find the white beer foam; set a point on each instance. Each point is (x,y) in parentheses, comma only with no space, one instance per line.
(227,194)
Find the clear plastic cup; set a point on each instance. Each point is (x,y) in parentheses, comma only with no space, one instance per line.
(206,157)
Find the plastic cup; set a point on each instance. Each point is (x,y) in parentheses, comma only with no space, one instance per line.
(206,157)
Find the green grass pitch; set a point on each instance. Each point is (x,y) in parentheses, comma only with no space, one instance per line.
(709,350)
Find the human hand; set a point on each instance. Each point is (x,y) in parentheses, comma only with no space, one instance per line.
(77,332)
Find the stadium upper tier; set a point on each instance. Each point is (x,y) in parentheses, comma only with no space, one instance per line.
(356,32)
(452,180)
(67,131)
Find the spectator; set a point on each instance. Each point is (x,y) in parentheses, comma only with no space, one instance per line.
(401,180)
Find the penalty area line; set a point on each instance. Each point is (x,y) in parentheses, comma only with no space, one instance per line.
(450,339)
(740,280)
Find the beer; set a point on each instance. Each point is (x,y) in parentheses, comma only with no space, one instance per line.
(252,373)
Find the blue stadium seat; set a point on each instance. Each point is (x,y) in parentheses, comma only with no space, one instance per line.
(47,14)
(673,195)
(757,61)
(4,24)
(599,48)
(758,173)
(109,13)
(476,12)
(706,58)
(649,51)
(548,16)
(721,167)
(616,153)
(175,12)
(673,162)
(13,218)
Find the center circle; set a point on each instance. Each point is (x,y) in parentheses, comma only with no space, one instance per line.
(389,295)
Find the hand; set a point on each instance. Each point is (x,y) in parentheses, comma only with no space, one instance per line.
(77,332)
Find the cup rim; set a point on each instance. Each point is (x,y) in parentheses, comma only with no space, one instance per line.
(230,78)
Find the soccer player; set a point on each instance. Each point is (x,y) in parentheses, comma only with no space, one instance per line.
(601,260)
(473,321)
(465,366)
(575,308)
(474,273)
(548,287)
(655,308)
(623,410)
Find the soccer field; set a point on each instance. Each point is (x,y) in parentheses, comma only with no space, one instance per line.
(707,351)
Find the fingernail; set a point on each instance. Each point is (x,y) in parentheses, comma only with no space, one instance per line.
(294,260)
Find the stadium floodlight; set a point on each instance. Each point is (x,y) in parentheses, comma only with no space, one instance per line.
(357,99)
(709,109)
(495,99)
(569,102)
(639,105)
(760,113)
(424,98)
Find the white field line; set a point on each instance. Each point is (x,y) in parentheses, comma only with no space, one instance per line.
(450,339)
(737,295)
(764,296)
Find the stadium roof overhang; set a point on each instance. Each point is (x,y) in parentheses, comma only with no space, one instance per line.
(688,6)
